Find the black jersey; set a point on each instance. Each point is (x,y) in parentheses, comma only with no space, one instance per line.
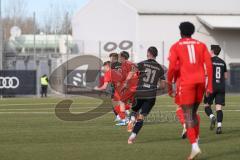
(219,69)
(150,72)
(116,65)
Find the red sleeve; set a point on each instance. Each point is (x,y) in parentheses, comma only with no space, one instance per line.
(209,68)
(107,77)
(101,81)
(173,58)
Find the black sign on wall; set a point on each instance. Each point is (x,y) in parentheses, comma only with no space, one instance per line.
(18,82)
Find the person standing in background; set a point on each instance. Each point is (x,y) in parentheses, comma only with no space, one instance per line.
(44,85)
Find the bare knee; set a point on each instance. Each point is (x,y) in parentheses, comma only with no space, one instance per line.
(218,107)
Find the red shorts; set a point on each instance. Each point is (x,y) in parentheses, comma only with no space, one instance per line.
(191,93)
(125,96)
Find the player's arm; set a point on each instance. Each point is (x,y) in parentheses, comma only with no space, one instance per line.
(107,80)
(103,87)
(209,69)
(173,58)
(130,76)
(162,84)
(225,72)
(226,75)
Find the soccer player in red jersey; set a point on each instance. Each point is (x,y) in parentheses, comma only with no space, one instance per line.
(110,76)
(128,83)
(192,56)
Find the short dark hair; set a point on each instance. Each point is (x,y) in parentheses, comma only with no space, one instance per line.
(187,29)
(114,55)
(107,63)
(216,49)
(125,54)
(153,51)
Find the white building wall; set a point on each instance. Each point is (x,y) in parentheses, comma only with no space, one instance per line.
(102,21)
(162,30)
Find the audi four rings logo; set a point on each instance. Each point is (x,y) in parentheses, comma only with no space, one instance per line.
(9,82)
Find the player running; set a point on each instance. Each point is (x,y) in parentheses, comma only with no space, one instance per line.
(111,76)
(150,72)
(192,56)
(115,65)
(129,83)
(219,77)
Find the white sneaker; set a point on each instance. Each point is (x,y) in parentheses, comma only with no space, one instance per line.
(117,119)
(122,122)
(195,152)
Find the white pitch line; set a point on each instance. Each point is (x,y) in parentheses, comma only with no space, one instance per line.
(85,103)
(78,107)
(98,112)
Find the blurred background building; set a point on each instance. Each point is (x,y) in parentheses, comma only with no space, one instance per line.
(104,26)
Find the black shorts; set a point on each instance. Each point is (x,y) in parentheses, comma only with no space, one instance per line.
(219,98)
(144,106)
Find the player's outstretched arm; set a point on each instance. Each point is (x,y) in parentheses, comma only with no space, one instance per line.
(102,88)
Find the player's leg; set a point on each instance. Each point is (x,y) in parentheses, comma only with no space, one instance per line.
(208,101)
(134,114)
(114,104)
(220,101)
(179,113)
(199,97)
(145,110)
(124,98)
(42,88)
(127,97)
(122,114)
(117,110)
(189,103)
(181,119)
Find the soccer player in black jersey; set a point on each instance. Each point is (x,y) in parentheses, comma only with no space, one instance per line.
(219,77)
(150,73)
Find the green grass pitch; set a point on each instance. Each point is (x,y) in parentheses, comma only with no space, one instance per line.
(29,130)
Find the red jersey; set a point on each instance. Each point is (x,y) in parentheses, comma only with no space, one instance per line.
(126,68)
(113,77)
(192,55)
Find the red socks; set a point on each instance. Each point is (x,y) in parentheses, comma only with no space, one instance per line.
(191,134)
(122,115)
(180,115)
(127,107)
(197,127)
(117,109)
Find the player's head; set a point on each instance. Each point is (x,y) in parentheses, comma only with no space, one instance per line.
(187,29)
(152,53)
(124,55)
(216,49)
(113,57)
(106,66)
